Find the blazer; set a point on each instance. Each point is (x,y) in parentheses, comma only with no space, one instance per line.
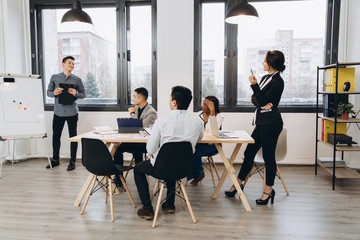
(148,115)
(271,93)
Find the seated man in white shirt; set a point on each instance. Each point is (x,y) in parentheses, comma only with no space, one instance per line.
(177,126)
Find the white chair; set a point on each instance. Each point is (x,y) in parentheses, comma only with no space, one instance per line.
(280,154)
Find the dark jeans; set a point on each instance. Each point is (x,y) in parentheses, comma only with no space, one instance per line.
(137,150)
(145,167)
(265,137)
(58,125)
(201,149)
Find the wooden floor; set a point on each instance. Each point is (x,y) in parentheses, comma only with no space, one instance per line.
(36,203)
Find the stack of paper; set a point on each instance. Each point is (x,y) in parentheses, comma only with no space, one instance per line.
(104,130)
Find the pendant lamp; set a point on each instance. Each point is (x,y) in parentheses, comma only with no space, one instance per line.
(239,12)
(76,14)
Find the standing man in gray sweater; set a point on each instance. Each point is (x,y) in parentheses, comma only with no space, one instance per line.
(66,88)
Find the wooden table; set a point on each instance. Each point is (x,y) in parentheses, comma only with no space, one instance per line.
(116,139)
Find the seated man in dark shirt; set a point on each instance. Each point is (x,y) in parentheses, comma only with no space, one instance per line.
(148,115)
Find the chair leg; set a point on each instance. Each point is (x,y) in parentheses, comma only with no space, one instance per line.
(249,174)
(88,196)
(127,191)
(111,195)
(211,171)
(106,179)
(130,164)
(155,190)
(181,195)
(158,205)
(214,166)
(282,180)
(264,182)
(182,188)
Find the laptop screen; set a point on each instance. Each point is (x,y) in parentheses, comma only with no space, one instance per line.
(129,122)
(129,125)
(214,126)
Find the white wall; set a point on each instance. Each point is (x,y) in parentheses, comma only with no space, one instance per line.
(15,46)
(175,67)
(349,51)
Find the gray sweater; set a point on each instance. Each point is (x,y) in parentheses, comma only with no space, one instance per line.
(63,110)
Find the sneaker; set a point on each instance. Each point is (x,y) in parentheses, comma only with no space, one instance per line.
(54,163)
(71,166)
(118,181)
(169,208)
(146,213)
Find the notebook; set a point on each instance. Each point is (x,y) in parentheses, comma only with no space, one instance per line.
(215,129)
(129,125)
(65,97)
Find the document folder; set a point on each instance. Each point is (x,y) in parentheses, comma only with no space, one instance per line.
(129,125)
(65,97)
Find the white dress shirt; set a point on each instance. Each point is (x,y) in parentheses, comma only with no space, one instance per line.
(178,126)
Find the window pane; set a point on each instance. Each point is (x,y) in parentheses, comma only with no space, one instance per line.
(94,50)
(300,38)
(213,50)
(139,47)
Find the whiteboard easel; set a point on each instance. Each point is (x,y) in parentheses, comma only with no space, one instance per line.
(21,109)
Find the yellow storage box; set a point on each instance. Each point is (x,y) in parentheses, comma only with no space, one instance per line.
(345,75)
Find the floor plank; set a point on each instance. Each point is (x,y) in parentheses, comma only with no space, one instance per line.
(36,203)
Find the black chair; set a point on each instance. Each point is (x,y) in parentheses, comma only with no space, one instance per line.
(97,159)
(174,161)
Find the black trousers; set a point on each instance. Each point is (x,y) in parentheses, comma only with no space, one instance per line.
(145,167)
(58,125)
(265,137)
(137,150)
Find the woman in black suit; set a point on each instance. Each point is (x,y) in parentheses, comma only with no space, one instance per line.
(268,123)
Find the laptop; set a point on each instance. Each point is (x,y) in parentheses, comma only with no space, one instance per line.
(215,129)
(129,125)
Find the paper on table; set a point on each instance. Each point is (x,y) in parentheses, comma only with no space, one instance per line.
(104,130)
(123,136)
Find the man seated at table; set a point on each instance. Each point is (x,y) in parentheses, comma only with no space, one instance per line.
(177,126)
(148,115)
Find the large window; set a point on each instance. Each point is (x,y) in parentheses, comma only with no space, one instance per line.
(112,58)
(139,54)
(226,53)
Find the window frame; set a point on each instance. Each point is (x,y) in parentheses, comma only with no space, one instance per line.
(121,65)
(230,51)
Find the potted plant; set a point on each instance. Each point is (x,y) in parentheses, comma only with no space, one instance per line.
(344,109)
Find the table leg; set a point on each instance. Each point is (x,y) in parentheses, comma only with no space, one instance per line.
(83,190)
(228,166)
(229,169)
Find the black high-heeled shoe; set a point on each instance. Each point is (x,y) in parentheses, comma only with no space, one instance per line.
(233,192)
(265,201)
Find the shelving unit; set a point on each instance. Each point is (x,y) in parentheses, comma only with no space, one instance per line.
(336,172)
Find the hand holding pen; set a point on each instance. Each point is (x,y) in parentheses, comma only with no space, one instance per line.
(58,91)
(252,78)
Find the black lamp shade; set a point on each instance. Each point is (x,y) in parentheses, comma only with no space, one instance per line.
(76,14)
(240,10)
